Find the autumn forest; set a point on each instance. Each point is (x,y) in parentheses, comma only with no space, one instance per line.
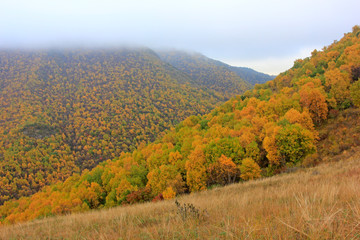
(63,112)
(93,129)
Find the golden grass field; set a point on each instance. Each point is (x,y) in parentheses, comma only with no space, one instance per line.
(311,203)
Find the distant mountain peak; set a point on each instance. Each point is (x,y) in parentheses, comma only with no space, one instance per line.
(181,59)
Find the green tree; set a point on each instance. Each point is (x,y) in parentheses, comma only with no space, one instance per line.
(294,142)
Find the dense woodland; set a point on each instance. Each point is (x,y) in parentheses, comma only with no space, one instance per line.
(65,111)
(275,126)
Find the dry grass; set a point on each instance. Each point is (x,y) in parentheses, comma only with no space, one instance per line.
(314,203)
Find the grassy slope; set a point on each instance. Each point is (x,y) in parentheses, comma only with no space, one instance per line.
(284,206)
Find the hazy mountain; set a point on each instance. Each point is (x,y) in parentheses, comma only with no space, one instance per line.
(204,69)
(252,76)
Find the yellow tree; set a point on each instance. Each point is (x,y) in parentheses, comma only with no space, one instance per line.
(249,169)
(355,93)
(314,100)
(269,143)
(304,118)
(223,171)
(338,82)
(195,170)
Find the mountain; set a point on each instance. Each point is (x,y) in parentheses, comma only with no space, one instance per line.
(251,76)
(304,116)
(63,111)
(204,69)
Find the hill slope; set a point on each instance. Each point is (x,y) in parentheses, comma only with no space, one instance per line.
(286,206)
(278,125)
(206,70)
(65,111)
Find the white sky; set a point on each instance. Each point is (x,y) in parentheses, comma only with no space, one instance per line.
(262,34)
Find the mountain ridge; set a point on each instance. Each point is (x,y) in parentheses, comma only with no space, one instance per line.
(175,58)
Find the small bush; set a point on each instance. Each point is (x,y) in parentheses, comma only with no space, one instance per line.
(311,160)
(143,195)
(188,211)
(158,198)
(169,193)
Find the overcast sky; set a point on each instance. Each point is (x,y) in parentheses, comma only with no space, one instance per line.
(262,34)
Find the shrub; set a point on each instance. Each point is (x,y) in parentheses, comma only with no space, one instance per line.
(169,193)
(142,195)
(158,198)
(188,211)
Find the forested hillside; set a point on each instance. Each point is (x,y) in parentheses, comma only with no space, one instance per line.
(209,71)
(280,124)
(64,111)
(314,203)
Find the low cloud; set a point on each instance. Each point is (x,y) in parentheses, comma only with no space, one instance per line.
(272,65)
